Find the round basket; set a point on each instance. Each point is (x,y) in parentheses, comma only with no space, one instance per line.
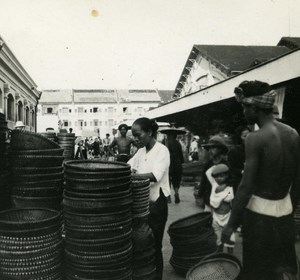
(191,224)
(28,218)
(37,170)
(215,269)
(74,174)
(46,152)
(25,140)
(36,161)
(96,166)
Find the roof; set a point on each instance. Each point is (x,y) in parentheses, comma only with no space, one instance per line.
(95,96)
(166,95)
(231,58)
(100,96)
(290,42)
(55,96)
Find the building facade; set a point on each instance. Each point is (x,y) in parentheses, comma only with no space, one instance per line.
(18,92)
(93,112)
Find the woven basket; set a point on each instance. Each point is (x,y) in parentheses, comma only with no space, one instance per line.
(215,269)
(96,166)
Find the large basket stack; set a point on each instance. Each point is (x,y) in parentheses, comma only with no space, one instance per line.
(36,171)
(143,240)
(4,175)
(67,142)
(192,239)
(98,222)
(30,244)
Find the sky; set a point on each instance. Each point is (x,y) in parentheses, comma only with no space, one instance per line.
(132,44)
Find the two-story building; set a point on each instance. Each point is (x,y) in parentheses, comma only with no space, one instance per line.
(93,112)
(18,92)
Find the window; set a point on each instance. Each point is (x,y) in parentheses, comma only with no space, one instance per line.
(85,110)
(80,123)
(100,123)
(125,109)
(85,124)
(110,122)
(95,110)
(110,109)
(80,109)
(20,111)
(95,122)
(70,123)
(65,110)
(70,110)
(10,108)
(100,110)
(27,115)
(91,110)
(66,123)
(49,110)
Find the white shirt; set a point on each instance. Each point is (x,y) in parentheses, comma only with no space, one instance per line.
(157,162)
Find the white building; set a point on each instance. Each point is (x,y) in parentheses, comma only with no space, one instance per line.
(93,112)
(18,92)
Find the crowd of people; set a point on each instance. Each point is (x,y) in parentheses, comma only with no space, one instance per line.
(252,187)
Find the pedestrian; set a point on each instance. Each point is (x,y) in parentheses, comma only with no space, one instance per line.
(176,160)
(194,148)
(106,142)
(152,162)
(19,126)
(96,148)
(123,143)
(269,190)
(217,153)
(220,201)
(81,152)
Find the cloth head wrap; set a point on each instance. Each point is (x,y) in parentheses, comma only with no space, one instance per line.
(255,93)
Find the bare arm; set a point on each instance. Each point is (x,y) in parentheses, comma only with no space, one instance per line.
(144,176)
(295,188)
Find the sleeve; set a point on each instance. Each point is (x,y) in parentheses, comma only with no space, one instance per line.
(229,197)
(133,162)
(162,164)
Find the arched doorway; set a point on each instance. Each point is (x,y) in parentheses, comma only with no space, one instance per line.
(20,111)
(27,118)
(10,108)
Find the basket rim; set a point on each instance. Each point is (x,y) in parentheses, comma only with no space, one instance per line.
(73,164)
(211,261)
(29,133)
(174,225)
(76,180)
(55,216)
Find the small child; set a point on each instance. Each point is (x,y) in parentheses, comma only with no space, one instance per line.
(220,201)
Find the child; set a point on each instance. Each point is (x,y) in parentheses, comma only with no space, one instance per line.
(220,202)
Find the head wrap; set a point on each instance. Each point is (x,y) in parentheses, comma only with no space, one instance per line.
(255,93)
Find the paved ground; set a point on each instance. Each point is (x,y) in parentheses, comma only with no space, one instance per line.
(187,207)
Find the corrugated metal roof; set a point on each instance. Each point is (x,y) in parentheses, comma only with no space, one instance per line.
(138,95)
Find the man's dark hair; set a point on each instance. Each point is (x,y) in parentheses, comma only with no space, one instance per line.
(254,88)
(123,125)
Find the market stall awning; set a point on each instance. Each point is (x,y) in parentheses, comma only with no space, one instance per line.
(276,71)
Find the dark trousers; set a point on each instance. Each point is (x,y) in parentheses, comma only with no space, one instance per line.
(157,222)
(268,247)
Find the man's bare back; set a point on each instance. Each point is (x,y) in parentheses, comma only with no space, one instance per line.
(277,146)
(123,143)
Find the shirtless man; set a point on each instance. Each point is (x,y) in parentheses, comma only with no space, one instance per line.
(124,143)
(269,190)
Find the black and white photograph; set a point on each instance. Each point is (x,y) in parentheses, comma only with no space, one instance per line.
(149,140)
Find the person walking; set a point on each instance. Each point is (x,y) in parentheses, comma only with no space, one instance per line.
(152,161)
(194,148)
(176,160)
(269,190)
(106,142)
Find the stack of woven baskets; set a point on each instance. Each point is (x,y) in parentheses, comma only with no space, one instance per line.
(4,175)
(30,244)
(143,240)
(98,222)
(36,171)
(192,239)
(67,142)
(50,135)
